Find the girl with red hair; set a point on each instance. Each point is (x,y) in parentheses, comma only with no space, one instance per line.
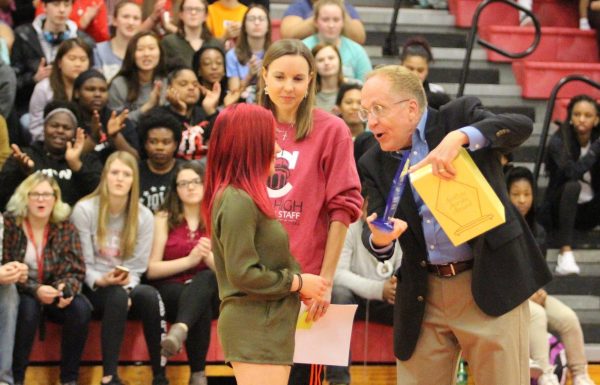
(258,278)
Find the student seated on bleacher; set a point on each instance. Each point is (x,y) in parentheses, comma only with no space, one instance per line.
(347,104)
(573,195)
(36,44)
(90,16)
(363,280)
(416,56)
(10,274)
(547,311)
(298,22)
(182,267)
(183,94)
(37,232)
(192,32)
(329,75)
(160,134)
(72,58)
(224,20)
(58,155)
(329,20)
(126,22)
(140,84)
(209,65)
(106,131)
(116,237)
(244,61)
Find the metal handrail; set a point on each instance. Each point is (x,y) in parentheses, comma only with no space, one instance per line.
(473,34)
(549,110)
(390,46)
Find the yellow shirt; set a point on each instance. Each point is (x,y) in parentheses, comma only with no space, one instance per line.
(219,16)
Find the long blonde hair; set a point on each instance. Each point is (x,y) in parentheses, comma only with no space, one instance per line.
(129,232)
(292,47)
(17,205)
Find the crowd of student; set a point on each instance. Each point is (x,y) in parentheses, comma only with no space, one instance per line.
(108,108)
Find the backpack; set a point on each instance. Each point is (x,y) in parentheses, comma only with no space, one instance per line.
(558,359)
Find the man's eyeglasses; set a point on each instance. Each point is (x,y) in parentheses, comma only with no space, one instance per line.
(377,110)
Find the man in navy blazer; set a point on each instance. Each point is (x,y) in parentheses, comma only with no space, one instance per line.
(470,298)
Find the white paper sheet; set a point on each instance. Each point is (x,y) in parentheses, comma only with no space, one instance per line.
(327,342)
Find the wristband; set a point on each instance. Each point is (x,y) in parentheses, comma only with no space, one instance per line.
(299,283)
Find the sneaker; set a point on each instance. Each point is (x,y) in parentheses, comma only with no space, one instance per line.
(548,379)
(198,378)
(566,264)
(113,381)
(535,370)
(583,379)
(160,379)
(174,340)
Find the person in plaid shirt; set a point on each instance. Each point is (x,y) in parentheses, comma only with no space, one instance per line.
(37,232)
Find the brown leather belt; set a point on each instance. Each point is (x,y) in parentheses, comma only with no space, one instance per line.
(449,269)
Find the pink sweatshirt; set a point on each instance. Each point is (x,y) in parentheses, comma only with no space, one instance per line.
(315,183)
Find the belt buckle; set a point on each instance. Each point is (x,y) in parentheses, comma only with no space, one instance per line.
(448,275)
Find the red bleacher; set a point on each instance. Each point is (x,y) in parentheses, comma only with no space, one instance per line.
(563,50)
(557,44)
(372,344)
(538,78)
(556,13)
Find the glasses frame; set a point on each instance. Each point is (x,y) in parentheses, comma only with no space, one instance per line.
(196,182)
(40,196)
(376,110)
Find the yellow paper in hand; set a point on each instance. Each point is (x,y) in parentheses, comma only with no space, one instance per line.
(302,322)
(466,206)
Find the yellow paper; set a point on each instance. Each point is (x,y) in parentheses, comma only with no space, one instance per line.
(466,206)
(302,322)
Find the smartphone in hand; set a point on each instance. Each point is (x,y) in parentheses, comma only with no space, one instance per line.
(121,271)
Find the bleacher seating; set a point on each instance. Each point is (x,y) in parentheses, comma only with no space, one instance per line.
(538,78)
(372,343)
(557,44)
(556,13)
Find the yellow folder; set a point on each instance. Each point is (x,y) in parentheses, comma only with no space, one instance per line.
(466,206)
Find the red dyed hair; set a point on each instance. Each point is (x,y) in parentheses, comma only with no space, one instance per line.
(242,146)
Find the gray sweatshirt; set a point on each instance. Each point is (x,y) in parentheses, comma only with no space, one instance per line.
(357,268)
(117,97)
(101,260)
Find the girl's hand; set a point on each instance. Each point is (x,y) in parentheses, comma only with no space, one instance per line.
(46,294)
(318,289)
(74,150)
(23,159)
(112,279)
(200,252)
(210,102)
(176,102)
(116,122)
(154,98)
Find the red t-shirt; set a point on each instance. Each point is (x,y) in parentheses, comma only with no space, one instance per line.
(315,183)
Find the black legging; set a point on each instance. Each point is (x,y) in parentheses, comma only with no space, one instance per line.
(111,303)
(192,304)
(75,319)
(569,215)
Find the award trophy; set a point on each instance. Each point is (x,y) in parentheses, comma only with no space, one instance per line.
(384,223)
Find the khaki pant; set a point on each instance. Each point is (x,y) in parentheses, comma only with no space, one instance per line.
(560,319)
(496,348)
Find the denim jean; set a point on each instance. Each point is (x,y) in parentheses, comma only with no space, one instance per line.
(9,306)
(75,319)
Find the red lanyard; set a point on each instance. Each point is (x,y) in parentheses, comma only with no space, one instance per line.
(39,254)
